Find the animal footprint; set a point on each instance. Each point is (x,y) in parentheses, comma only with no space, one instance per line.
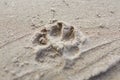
(58,39)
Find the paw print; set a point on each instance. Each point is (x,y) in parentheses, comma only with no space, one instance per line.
(58,39)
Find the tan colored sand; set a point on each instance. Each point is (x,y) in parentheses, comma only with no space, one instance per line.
(97,19)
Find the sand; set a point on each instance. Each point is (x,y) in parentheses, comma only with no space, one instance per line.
(97,19)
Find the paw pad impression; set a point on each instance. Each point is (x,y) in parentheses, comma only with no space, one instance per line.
(58,39)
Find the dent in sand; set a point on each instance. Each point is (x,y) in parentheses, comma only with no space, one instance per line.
(58,39)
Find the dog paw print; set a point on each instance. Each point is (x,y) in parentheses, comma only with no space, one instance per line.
(58,39)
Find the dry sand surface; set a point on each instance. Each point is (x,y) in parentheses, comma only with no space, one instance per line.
(99,20)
